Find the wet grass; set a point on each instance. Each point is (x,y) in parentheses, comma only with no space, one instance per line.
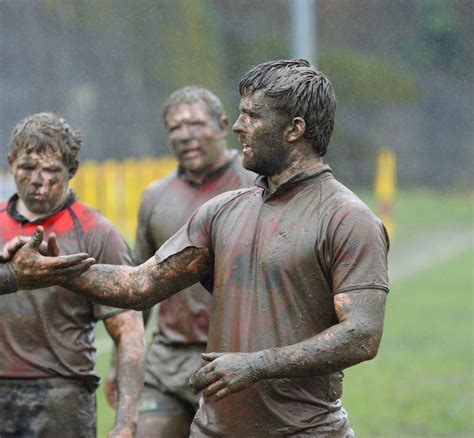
(421,383)
(420,211)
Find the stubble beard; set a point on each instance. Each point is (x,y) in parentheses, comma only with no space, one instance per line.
(272,161)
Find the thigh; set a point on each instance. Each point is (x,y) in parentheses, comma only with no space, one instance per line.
(46,408)
(163,415)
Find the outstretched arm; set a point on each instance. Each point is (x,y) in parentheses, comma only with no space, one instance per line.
(145,285)
(355,338)
(27,264)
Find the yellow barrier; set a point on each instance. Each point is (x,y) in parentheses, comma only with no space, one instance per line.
(115,187)
(385,187)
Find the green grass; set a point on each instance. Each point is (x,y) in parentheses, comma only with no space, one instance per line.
(105,414)
(418,210)
(421,383)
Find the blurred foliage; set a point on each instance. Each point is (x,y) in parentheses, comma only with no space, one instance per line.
(368,79)
(438,36)
(400,70)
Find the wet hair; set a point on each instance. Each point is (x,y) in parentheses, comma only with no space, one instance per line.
(192,94)
(47,132)
(298,90)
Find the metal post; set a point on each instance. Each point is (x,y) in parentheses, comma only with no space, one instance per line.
(303,29)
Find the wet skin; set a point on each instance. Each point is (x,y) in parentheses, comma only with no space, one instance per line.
(198,140)
(273,144)
(42,182)
(261,132)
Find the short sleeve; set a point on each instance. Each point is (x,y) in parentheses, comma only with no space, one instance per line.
(195,233)
(104,242)
(358,250)
(143,249)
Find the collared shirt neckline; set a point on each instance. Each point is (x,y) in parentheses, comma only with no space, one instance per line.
(13,212)
(262,181)
(214,174)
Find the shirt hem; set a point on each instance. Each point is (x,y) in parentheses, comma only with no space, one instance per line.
(361,287)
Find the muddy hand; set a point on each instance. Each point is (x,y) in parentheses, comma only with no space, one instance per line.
(33,270)
(11,247)
(225,374)
(49,248)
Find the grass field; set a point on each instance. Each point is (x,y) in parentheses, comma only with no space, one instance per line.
(421,383)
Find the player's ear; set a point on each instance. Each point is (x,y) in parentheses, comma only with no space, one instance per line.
(295,130)
(10,161)
(73,169)
(223,125)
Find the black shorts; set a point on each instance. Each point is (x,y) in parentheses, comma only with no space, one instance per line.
(48,407)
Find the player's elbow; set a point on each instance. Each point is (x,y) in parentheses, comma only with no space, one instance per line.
(369,343)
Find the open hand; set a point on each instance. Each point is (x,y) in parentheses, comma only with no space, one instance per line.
(225,373)
(34,270)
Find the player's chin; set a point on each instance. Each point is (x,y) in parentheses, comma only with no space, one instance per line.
(249,162)
(38,207)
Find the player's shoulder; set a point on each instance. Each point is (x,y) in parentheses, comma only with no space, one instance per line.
(161,183)
(337,198)
(231,195)
(90,218)
(226,199)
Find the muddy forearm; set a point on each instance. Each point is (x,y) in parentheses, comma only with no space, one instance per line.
(335,349)
(354,339)
(130,372)
(112,285)
(143,286)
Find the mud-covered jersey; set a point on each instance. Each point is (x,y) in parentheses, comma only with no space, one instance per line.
(278,259)
(50,331)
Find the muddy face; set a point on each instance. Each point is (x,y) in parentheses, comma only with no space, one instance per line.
(42,181)
(197,139)
(260,128)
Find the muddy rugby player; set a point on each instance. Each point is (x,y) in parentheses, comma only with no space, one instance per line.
(47,353)
(297,267)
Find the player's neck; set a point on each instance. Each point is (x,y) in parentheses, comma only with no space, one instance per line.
(22,209)
(199,177)
(297,166)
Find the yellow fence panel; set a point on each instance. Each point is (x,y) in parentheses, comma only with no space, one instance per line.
(85,183)
(115,187)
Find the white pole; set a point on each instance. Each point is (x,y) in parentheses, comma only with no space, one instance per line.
(303,29)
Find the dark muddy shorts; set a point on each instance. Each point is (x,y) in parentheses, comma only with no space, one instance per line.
(49,407)
(167,391)
(159,402)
